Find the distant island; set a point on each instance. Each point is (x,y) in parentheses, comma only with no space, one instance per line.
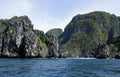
(96,34)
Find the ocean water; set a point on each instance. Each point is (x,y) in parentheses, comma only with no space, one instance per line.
(67,67)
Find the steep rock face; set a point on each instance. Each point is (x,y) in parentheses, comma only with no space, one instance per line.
(42,41)
(102,52)
(53,46)
(49,42)
(110,36)
(115,48)
(85,32)
(18,39)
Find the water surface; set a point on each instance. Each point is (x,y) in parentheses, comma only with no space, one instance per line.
(70,67)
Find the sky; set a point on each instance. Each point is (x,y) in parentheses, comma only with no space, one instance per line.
(48,14)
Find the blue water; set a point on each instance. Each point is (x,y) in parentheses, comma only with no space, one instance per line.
(37,67)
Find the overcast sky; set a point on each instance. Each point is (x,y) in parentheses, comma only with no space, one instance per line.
(48,14)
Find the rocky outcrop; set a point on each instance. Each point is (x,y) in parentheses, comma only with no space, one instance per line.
(18,39)
(117,56)
(85,32)
(86,54)
(53,46)
(102,52)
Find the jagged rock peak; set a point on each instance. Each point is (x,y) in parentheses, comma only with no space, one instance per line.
(18,39)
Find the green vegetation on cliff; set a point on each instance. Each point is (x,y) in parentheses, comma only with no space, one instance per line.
(5,22)
(42,40)
(11,31)
(1,32)
(86,32)
(56,32)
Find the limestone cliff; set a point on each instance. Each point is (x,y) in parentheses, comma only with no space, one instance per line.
(18,39)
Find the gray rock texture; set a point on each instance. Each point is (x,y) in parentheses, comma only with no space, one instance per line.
(18,39)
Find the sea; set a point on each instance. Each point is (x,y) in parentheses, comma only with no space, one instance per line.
(59,67)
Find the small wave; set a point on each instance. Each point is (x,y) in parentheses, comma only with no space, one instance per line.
(81,58)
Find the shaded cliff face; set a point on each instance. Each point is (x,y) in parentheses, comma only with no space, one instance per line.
(49,41)
(18,39)
(86,32)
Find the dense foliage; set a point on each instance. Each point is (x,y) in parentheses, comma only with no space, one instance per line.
(86,32)
(56,32)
